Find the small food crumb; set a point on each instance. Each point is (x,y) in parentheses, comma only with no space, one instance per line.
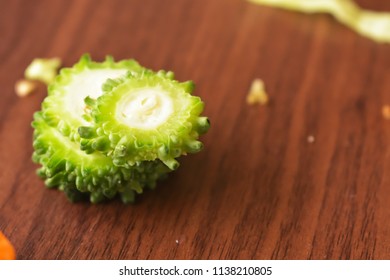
(386,112)
(43,69)
(177,241)
(257,93)
(310,139)
(24,87)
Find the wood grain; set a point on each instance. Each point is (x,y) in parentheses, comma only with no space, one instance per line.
(259,190)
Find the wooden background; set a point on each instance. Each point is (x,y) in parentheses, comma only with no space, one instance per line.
(258,189)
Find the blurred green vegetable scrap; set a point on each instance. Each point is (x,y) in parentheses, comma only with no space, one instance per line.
(43,69)
(370,24)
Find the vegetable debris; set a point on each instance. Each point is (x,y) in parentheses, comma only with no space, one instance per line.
(43,69)
(24,87)
(257,93)
(310,139)
(371,24)
(112,129)
(7,251)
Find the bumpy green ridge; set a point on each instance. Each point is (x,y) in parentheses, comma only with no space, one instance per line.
(164,123)
(80,175)
(64,106)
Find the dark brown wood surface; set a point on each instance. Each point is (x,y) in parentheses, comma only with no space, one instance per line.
(258,189)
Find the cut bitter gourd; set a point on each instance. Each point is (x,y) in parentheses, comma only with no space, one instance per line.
(64,106)
(145,116)
(132,128)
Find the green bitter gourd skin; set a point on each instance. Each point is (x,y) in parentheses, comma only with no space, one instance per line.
(145,116)
(64,106)
(93,175)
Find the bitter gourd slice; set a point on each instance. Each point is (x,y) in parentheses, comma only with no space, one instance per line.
(161,123)
(145,116)
(64,106)
(79,174)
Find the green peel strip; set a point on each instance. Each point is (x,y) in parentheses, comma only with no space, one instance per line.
(370,24)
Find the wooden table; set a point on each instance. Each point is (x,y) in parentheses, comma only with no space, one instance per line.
(259,189)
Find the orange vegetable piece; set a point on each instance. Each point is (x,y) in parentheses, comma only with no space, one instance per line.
(7,251)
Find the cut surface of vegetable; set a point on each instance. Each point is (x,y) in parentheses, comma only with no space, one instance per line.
(145,109)
(146,116)
(64,106)
(371,24)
